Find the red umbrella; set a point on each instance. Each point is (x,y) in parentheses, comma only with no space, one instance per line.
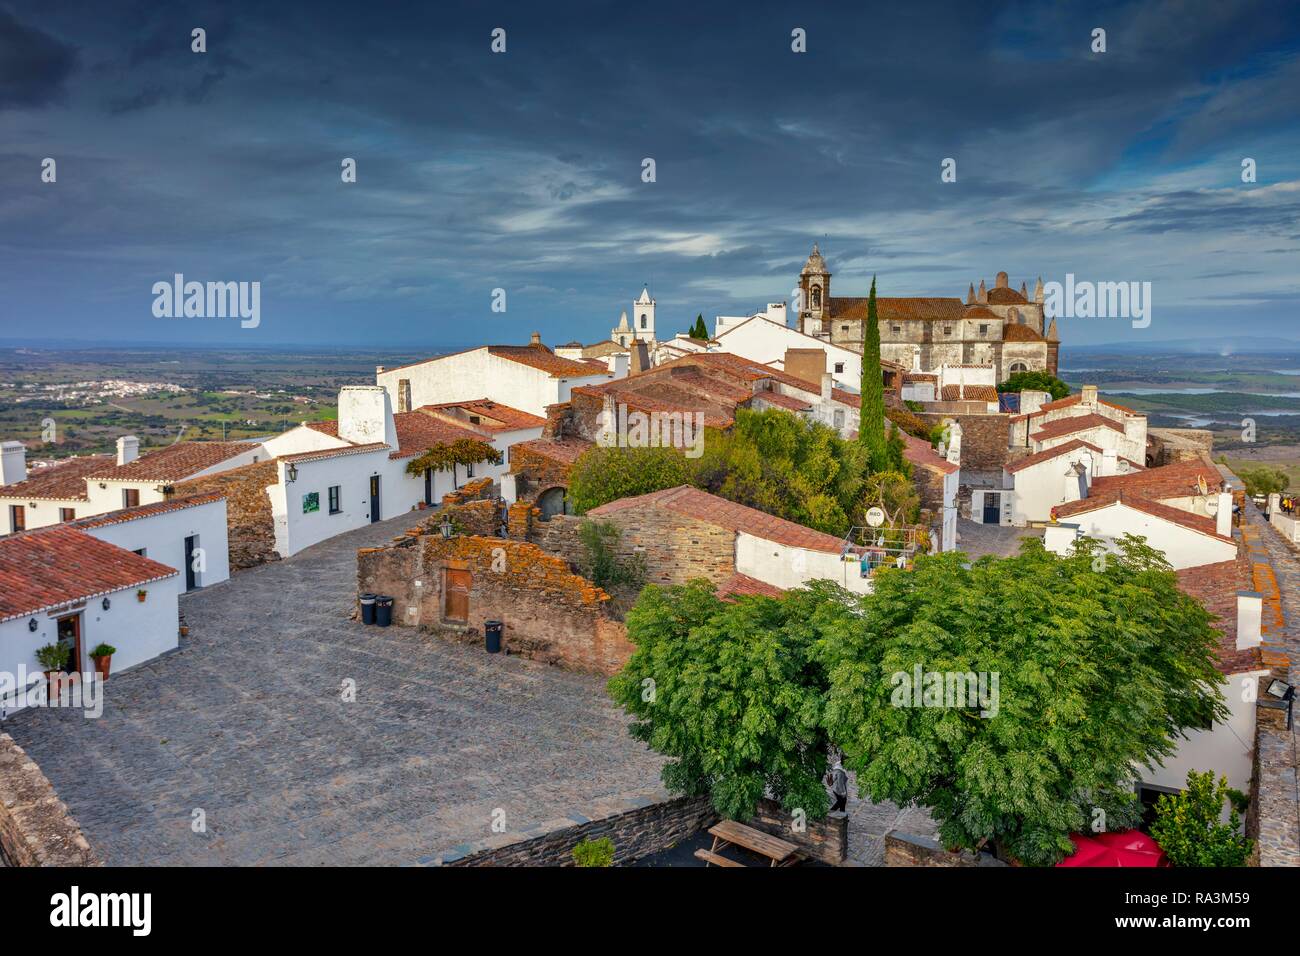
(1124,848)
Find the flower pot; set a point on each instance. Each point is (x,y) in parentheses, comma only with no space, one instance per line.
(102,665)
(185,632)
(140,596)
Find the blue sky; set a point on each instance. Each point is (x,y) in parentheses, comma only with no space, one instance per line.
(522,170)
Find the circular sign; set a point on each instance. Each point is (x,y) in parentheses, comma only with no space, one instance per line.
(875,517)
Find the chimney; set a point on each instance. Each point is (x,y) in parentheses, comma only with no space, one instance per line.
(403,394)
(640,357)
(828,383)
(366,415)
(1223,517)
(128,449)
(805,364)
(13,462)
(536,339)
(379,370)
(1250,610)
(1088,395)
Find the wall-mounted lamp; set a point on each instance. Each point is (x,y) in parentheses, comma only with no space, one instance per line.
(292,473)
(446,526)
(106,604)
(33,624)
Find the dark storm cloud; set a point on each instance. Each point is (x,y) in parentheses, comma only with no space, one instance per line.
(34,66)
(523,170)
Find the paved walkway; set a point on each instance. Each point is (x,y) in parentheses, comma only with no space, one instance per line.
(245,727)
(978,539)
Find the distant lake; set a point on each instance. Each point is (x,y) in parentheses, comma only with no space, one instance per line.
(1204,391)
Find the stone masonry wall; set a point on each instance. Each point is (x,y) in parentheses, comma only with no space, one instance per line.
(907,849)
(249,522)
(825,840)
(638,826)
(983,438)
(535,473)
(36,828)
(676,548)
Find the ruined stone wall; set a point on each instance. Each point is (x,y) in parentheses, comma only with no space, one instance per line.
(908,849)
(676,548)
(983,439)
(36,828)
(248,510)
(535,473)
(1168,446)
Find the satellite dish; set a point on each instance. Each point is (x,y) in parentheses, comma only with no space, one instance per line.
(1201,485)
(875,517)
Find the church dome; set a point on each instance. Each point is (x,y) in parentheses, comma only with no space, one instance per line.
(815,264)
(1001,295)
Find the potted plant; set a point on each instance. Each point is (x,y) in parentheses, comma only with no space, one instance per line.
(140,595)
(594,852)
(52,658)
(102,655)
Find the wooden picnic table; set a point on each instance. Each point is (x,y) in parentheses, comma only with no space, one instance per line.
(728,832)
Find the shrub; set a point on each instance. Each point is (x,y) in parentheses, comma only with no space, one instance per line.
(103,650)
(601,563)
(1264,481)
(52,657)
(1035,382)
(1188,825)
(602,475)
(594,852)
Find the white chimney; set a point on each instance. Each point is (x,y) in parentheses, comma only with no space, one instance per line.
(1088,395)
(366,415)
(1223,517)
(828,383)
(954,443)
(128,449)
(13,462)
(1250,612)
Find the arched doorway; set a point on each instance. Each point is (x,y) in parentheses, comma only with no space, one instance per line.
(552,502)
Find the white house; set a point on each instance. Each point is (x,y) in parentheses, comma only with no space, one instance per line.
(188,534)
(1186,540)
(766,341)
(353,471)
(1083,416)
(95,484)
(527,377)
(1058,475)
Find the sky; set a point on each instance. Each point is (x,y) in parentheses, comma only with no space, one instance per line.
(523,170)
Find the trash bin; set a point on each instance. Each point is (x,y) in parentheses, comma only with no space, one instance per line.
(367,609)
(383,610)
(492,636)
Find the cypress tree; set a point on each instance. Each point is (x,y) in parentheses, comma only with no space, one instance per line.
(871,428)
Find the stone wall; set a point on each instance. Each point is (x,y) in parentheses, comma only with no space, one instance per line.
(36,828)
(535,473)
(676,548)
(549,613)
(983,438)
(248,510)
(908,849)
(1167,446)
(1273,817)
(638,826)
(825,840)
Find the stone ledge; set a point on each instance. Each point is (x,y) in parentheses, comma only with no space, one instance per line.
(36,828)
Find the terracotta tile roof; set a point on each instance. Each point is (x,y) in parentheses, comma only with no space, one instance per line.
(147,511)
(175,462)
(978,311)
(1067,402)
(323,453)
(702,506)
(51,567)
(919,452)
(1168,481)
(845,397)
(492,416)
(1069,426)
(969,393)
(1048,454)
(65,480)
(999,295)
(327,428)
(921,377)
(418,432)
(787,402)
(1216,587)
(740,585)
(544,360)
(564,450)
(1020,333)
(907,307)
(1139,503)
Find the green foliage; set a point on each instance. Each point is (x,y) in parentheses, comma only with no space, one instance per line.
(1035,382)
(893,492)
(594,852)
(601,474)
(1188,825)
(103,650)
(1264,481)
(871,428)
(733,694)
(914,425)
(940,432)
(52,657)
(1098,671)
(601,563)
(699,330)
(442,456)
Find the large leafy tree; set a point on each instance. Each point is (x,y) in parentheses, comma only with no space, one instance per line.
(606,474)
(732,693)
(1035,382)
(442,456)
(1098,671)
(871,428)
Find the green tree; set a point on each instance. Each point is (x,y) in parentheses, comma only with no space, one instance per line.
(601,474)
(1097,671)
(871,428)
(699,330)
(1189,825)
(732,694)
(1264,481)
(442,456)
(1035,382)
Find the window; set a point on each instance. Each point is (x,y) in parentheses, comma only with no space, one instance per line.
(1019,367)
(335,504)
(643,325)
(838,417)
(896,328)
(17,517)
(844,328)
(130,497)
(839,367)
(67,514)
(469,470)
(984,329)
(947,330)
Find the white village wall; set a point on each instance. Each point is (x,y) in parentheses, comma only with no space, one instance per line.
(1039,488)
(162,536)
(1225,749)
(45,513)
(763,341)
(299,439)
(1182,547)
(788,567)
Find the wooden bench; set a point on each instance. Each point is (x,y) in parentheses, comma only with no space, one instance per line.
(710,857)
(780,852)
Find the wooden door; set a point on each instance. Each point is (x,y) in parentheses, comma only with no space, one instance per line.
(456,595)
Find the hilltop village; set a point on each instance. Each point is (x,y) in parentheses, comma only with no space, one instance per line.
(486,461)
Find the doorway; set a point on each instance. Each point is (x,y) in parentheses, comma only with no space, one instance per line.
(191,579)
(428,486)
(992,507)
(374,498)
(69,631)
(456,595)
